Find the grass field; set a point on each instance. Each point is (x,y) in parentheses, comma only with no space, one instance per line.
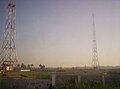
(88,85)
(47,73)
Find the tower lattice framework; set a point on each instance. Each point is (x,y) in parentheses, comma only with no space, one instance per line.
(8,51)
(95,62)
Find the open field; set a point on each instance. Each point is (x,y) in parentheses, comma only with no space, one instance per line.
(65,79)
(88,85)
(47,73)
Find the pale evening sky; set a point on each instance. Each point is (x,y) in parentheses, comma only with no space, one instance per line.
(59,32)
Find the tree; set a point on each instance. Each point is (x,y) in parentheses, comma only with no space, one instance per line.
(23,65)
(42,66)
(28,66)
(31,65)
(18,65)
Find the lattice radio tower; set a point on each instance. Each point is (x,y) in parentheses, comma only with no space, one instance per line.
(95,62)
(8,51)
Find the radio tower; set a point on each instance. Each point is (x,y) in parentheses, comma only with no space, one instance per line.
(95,62)
(8,53)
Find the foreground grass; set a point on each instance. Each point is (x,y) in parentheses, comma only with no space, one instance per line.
(26,75)
(88,85)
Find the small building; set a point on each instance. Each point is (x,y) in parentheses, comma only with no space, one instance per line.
(25,70)
(7,66)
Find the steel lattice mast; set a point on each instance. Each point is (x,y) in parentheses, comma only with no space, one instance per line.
(95,62)
(8,51)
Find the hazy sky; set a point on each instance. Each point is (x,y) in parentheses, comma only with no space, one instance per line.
(59,32)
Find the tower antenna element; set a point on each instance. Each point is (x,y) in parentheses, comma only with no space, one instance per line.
(95,62)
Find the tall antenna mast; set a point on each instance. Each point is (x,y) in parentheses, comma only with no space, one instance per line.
(95,62)
(8,53)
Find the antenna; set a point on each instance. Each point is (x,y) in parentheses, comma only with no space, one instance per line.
(8,53)
(95,62)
